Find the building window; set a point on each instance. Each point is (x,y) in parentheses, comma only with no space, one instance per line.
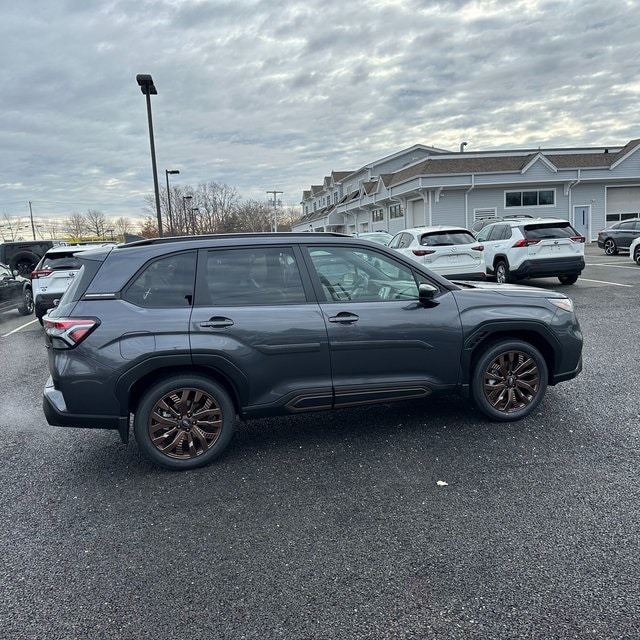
(306,209)
(539,198)
(335,197)
(377,215)
(395,211)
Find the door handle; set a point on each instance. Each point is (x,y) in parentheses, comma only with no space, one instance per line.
(217,322)
(344,317)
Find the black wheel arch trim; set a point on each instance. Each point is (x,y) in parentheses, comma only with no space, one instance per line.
(488,331)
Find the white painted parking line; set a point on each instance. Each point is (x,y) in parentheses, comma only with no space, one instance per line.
(615,284)
(19,328)
(613,266)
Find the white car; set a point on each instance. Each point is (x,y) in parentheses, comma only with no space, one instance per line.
(533,248)
(452,252)
(634,251)
(54,273)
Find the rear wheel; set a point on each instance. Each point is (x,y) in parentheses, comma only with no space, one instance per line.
(509,380)
(636,255)
(502,272)
(568,279)
(184,422)
(27,307)
(610,247)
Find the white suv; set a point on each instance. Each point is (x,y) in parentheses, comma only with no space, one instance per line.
(452,252)
(533,248)
(54,273)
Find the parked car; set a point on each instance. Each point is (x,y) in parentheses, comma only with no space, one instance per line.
(15,292)
(54,273)
(23,255)
(478,225)
(375,236)
(634,251)
(533,248)
(452,252)
(619,236)
(256,325)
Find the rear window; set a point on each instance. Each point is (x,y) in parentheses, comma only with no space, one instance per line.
(444,238)
(543,231)
(60,261)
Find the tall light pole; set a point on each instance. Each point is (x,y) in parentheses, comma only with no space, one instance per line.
(145,81)
(194,210)
(184,206)
(275,208)
(167,173)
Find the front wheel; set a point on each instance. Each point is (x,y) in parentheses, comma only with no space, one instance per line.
(610,247)
(509,380)
(502,272)
(568,279)
(184,422)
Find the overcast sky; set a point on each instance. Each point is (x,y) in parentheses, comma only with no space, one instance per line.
(270,94)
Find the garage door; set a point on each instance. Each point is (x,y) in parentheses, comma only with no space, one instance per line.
(623,200)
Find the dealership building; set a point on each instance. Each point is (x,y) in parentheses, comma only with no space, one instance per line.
(422,186)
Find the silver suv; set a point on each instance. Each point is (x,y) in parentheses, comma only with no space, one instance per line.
(533,248)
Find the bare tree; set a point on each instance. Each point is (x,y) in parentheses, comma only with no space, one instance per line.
(75,226)
(96,222)
(251,215)
(149,228)
(9,228)
(216,205)
(123,225)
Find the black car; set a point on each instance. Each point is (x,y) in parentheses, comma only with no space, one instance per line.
(619,236)
(182,335)
(15,292)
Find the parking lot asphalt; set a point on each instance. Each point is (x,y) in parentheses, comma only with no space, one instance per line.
(410,520)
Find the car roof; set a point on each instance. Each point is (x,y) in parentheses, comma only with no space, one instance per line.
(72,248)
(440,227)
(519,222)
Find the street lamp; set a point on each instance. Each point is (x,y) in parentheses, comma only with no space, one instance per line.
(145,81)
(167,173)
(184,206)
(194,210)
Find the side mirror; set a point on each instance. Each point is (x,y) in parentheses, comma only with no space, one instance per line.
(427,293)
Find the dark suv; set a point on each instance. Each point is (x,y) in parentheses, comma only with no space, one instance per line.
(181,336)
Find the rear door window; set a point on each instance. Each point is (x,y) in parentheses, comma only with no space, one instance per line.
(251,276)
(165,282)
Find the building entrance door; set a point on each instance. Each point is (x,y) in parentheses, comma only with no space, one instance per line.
(582,220)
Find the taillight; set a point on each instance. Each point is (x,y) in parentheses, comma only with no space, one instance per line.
(422,252)
(479,247)
(525,243)
(578,238)
(71,331)
(41,273)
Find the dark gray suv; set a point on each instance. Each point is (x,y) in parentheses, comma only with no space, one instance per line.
(179,336)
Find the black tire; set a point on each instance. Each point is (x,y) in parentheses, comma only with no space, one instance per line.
(40,313)
(24,264)
(610,247)
(509,380)
(636,255)
(180,438)
(501,271)
(572,279)
(27,308)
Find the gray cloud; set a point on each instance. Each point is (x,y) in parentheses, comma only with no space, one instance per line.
(265,95)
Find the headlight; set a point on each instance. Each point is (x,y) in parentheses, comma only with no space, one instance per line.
(562,303)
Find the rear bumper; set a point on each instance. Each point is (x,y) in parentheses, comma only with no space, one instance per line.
(55,411)
(549,268)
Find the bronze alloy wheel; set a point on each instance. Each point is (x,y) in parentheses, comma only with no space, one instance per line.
(511,381)
(185,423)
